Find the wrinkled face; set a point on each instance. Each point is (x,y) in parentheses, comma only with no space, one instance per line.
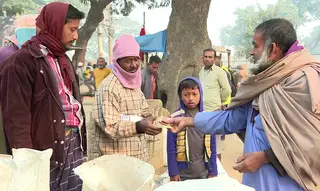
(208,58)
(262,64)
(101,63)
(258,45)
(190,97)
(129,64)
(264,53)
(154,67)
(70,33)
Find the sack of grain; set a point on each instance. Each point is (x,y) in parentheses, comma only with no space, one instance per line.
(219,183)
(116,173)
(26,170)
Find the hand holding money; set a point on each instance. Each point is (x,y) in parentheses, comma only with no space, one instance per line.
(179,123)
(160,123)
(147,126)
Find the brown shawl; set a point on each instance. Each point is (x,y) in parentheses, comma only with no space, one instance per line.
(287,96)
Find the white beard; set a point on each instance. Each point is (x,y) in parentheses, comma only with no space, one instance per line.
(262,64)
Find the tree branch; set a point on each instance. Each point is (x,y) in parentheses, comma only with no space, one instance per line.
(94,17)
(93,1)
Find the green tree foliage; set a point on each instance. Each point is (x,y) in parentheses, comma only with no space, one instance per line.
(18,7)
(9,9)
(240,34)
(312,41)
(312,9)
(124,7)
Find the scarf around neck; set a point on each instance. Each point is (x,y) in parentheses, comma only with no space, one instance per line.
(51,21)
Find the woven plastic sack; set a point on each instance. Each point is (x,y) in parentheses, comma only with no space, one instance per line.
(116,173)
(26,170)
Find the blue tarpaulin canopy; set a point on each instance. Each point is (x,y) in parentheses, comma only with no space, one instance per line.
(153,42)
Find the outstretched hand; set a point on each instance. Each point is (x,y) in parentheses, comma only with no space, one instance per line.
(179,123)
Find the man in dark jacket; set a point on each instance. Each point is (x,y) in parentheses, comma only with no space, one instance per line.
(40,96)
(149,85)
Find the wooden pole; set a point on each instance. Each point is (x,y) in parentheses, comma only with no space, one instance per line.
(229,59)
(145,59)
(100,45)
(110,33)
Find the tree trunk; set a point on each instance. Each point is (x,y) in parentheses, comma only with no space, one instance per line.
(94,17)
(187,38)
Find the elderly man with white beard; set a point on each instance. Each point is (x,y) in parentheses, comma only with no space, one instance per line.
(278,111)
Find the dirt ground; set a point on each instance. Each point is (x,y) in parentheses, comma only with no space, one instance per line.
(232,148)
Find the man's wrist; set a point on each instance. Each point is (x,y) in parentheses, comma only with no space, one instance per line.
(274,162)
(138,128)
(266,156)
(190,122)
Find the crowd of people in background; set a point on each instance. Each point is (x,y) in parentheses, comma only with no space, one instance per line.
(91,75)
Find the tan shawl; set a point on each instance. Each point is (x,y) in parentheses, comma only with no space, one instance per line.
(287,96)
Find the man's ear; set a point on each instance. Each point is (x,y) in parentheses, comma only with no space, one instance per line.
(274,52)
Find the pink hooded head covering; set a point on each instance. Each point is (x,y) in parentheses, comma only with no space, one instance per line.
(126,46)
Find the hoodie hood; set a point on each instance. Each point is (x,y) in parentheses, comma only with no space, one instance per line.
(182,106)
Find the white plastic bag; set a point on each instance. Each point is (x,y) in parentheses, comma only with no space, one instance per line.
(27,170)
(116,173)
(164,178)
(219,183)
(7,169)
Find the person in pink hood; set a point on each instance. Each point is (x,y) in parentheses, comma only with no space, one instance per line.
(119,103)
